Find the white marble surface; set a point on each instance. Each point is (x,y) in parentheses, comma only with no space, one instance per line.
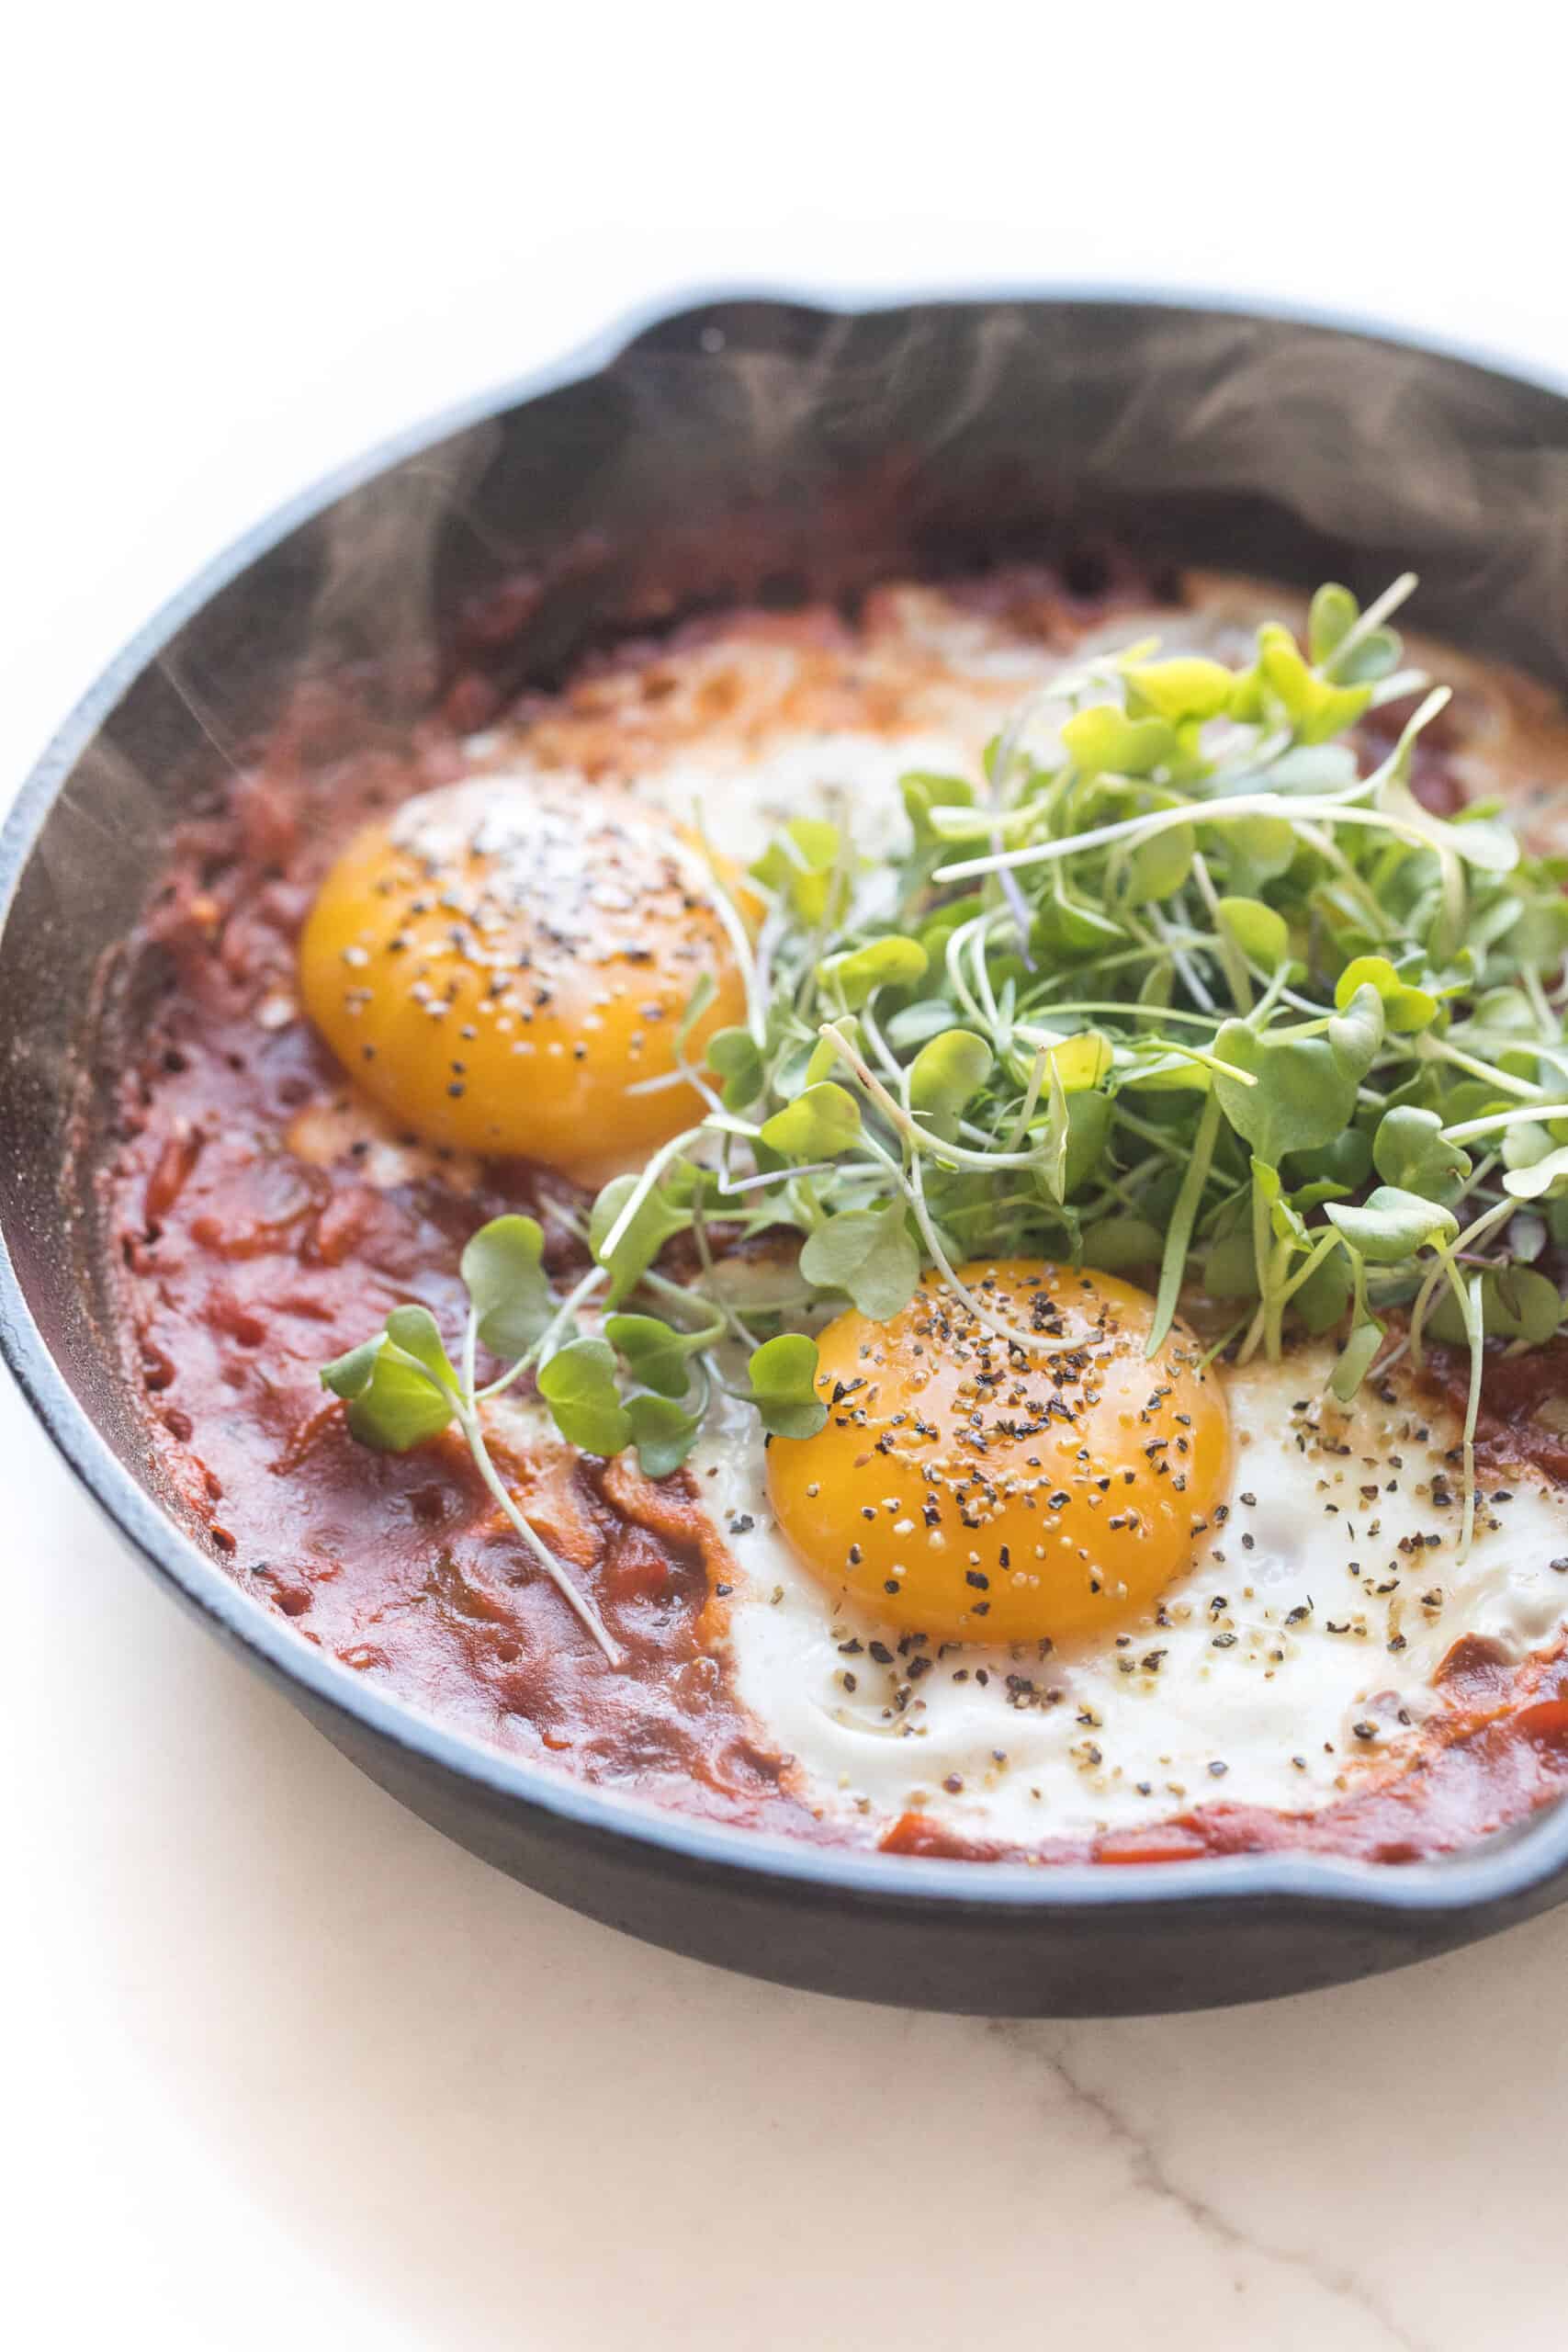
(280,2063)
(301,2060)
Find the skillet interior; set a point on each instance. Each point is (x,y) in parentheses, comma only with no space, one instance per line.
(767,450)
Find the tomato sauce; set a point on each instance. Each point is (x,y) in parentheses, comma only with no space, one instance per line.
(260,1223)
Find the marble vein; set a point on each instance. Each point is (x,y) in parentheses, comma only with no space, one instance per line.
(1148,2172)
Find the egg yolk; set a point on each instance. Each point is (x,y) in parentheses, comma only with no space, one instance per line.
(973,1490)
(503,963)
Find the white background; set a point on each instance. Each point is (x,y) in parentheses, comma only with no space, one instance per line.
(280,2066)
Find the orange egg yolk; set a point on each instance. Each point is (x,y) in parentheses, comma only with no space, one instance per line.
(973,1489)
(507,960)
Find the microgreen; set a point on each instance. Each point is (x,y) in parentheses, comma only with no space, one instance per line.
(578,1385)
(505,1277)
(868,1254)
(818,1123)
(1354,1361)
(781,1383)
(1391,1226)
(855,977)
(802,869)
(633,1218)
(1410,1150)
(655,1354)
(402,1388)
(735,1057)
(1191,988)
(393,1401)
(662,1432)
(944,1078)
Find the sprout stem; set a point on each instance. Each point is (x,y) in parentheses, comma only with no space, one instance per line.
(1173,1266)
(582,1607)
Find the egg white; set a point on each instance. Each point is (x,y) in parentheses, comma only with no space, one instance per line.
(1303,1615)
(1297,1663)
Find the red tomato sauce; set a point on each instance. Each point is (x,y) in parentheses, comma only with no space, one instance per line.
(243,1262)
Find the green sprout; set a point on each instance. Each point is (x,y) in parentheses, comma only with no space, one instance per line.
(1192,988)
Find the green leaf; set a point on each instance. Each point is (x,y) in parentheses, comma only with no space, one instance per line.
(800,866)
(735,1057)
(923,792)
(1509,1009)
(1527,1236)
(1306,1089)
(1054,1152)
(1282,1217)
(935,932)
(1103,740)
(1185,687)
(1354,1361)
(655,1354)
(1525,1144)
(1543,1176)
(1158,865)
(855,977)
(1315,710)
(1230,1270)
(945,1076)
(1321,1301)
(818,1125)
(1304,1096)
(1355,1033)
(1522,1304)
(1343,1162)
(1066,927)
(665,1212)
(1312,1196)
(1262,935)
(1081,1061)
(1391,1225)
(1261,847)
(579,1386)
(1493,848)
(915,1023)
(349,1375)
(662,1432)
(1174,1073)
(507,1285)
(1118,1245)
(1517,1304)
(1409,1151)
(789,1076)
(1488,925)
(1316,767)
(1077,1128)
(392,1403)
(1406,1008)
(823,1058)
(1538,939)
(1377,656)
(1335,612)
(869,1255)
(413,1329)
(783,1386)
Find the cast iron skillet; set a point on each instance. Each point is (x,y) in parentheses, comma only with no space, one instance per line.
(767,448)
